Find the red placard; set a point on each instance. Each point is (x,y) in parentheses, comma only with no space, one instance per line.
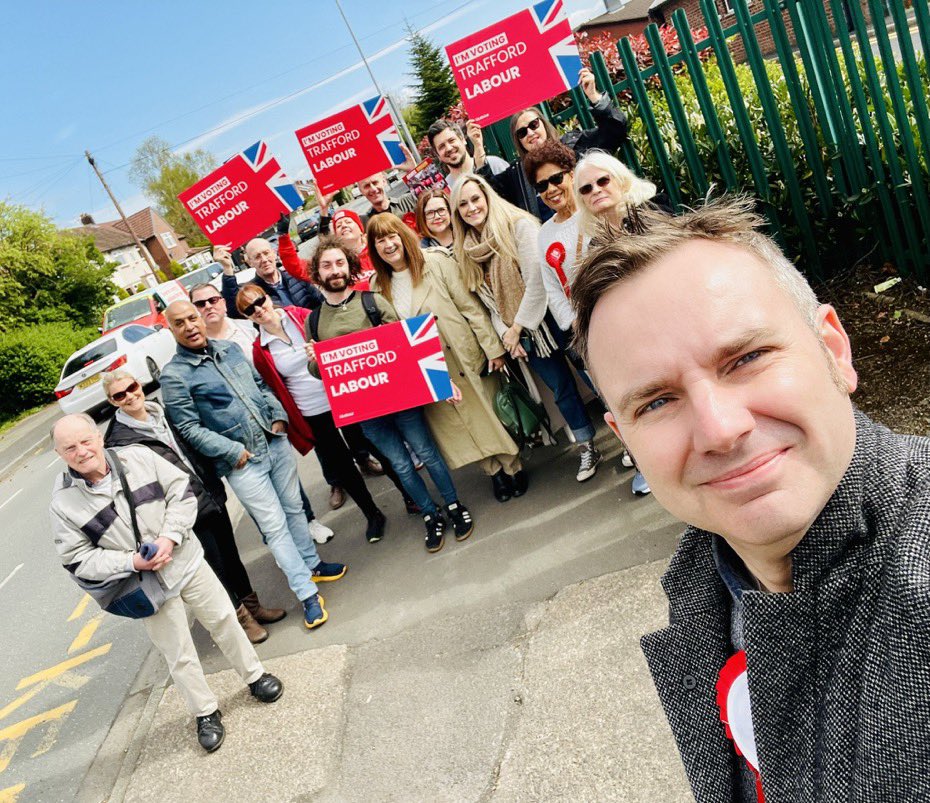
(383,370)
(351,144)
(242,198)
(515,63)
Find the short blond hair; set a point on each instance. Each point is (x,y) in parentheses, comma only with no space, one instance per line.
(636,191)
(613,257)
(114,376)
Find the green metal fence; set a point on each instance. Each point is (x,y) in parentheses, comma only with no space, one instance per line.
(831,133)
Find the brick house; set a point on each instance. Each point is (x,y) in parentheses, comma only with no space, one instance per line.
(630,18)
(132,271)
(156,234)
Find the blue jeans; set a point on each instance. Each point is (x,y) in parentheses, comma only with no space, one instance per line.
(389,432)
(554,371)
(269,490)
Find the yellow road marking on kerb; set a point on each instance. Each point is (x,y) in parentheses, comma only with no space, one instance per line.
(11,793)
(86,634)
(64,666)
(79,609)
(13,733)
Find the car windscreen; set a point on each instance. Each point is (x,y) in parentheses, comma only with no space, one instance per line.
(188,280)
(125,313)
(84,358)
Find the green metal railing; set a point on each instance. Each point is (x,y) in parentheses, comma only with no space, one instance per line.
(831,133)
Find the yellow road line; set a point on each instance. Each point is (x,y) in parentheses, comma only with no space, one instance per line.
(64,666)
(12,733)
(86,634)
(23,698)
(79,608)
(11,793)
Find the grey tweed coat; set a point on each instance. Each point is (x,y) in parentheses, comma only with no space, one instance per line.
(839,669)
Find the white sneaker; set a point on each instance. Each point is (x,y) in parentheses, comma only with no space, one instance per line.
(626,461)
(590,457)
(640,487)
(320,532)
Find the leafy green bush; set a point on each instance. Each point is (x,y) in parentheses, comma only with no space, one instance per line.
(31,361)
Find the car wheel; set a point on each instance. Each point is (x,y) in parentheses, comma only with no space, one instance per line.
(154,370)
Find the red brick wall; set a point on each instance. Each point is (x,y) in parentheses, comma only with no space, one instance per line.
(617,30)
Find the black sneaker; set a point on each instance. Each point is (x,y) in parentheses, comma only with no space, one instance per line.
(210,731)
(374,532)
(267,688)
(461,520)
(435,524)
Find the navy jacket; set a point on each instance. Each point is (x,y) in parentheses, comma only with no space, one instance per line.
(299,293)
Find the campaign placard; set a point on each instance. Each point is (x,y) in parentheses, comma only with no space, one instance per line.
(242,198)
(383,370)
(425,176)
(516,62)
(351,145)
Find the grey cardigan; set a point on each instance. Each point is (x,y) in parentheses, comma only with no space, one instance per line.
(839,669)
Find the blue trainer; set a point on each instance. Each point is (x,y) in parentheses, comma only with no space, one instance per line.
(328,572)
(314,612)
(640,486)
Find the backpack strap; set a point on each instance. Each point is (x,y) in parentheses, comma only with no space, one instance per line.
(117,466)
(313,324)
(371,308)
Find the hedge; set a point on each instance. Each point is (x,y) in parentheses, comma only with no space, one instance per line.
(31,360)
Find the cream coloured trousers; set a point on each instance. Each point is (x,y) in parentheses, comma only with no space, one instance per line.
(170,633)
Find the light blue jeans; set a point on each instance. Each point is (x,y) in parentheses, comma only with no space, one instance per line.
(269,490)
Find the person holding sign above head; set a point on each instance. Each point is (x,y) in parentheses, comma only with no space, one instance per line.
(344,311)
(375,189)
(283,288)
(416,282)
(496,246)
(280,357)
(530,128)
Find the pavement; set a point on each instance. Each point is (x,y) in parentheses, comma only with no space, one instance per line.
(506,667)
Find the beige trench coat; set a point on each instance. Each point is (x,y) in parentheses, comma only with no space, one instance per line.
(470,430)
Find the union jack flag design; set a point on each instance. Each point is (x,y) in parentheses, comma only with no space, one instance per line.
(378,114)
(549,16)
(423,337)
(261,160)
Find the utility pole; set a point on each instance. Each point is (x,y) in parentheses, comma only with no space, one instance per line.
(145,251)
(395,112)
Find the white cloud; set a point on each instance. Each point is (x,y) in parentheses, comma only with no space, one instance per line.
(66,132)
(584,14)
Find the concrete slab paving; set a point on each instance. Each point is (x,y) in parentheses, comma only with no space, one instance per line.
(272,752)
(591,726)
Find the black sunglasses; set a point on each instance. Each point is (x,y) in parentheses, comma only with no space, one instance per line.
(250,309)
(523,130)
(121,394)
(585,189)
(555,180)
(200,303)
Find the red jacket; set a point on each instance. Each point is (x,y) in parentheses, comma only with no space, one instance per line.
(299,432)
(299,269)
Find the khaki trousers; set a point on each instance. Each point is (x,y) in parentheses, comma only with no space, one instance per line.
(170,633)
(509,462)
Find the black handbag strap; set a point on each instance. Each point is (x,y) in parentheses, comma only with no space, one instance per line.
(117,465)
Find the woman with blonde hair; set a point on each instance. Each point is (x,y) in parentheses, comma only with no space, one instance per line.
(416,282)
(605,188)
(497,249)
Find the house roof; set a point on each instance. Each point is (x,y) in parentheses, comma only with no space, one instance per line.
(633,10)
(142,222)
(106,236)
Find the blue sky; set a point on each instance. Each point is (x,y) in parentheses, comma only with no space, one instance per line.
(217,75)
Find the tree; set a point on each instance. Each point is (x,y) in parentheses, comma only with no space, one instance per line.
(161,174)
(436,89)
(48,275)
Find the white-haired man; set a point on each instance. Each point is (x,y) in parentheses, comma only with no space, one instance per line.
(92,522)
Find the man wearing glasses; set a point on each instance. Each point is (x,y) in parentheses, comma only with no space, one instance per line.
(221,407)
(212,308)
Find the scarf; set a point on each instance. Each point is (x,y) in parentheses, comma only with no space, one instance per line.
(501,274)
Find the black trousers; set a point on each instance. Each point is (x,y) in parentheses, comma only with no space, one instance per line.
(214,531)
(337,462)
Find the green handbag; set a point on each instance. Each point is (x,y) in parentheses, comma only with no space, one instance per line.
(521,415)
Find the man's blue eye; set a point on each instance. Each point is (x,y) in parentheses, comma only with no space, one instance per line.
(752,355)
(655,404)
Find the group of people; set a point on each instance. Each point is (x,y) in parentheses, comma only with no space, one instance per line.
(794,666)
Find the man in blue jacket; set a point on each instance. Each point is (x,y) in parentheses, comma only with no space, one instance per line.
(221,407)
(283,289)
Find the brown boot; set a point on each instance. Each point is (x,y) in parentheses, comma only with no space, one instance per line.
(265,616)
(253,630)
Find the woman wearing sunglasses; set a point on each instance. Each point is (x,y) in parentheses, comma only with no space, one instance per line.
(434,220)
(497,249)
(417,282)
(279,354)
(142,422)
(530,128)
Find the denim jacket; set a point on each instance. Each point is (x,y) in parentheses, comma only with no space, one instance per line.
(219,404)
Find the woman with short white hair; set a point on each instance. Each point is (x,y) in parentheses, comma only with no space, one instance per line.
(605,189)
(143,422)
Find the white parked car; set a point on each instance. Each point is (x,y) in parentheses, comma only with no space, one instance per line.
(141,350)
(208,274)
